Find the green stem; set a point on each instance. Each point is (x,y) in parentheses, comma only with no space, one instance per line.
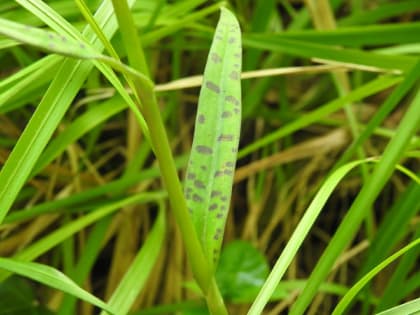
(131,40)
(215,301)
(170,178)
(145,91)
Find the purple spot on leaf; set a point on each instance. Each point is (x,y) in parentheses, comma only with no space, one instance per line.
(215,58)
(197,198)
(226,114)
(213,87)
(203,149)
(218,174)
(228,172)
(201,119)
(232,99)
(215,193)
(225,138)
(199,184)
(234,75)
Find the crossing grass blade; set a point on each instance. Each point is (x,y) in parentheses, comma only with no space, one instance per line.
(53,278)
(354,290)
(208,183)
(47,40)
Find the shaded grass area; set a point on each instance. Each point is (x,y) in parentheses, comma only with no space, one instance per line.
(81,190)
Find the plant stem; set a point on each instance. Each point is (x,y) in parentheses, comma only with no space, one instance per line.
(215,301)
(145,91)
(163,153)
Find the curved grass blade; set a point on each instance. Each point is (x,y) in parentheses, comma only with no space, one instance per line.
(351,294)
(136,276)
(47,40)
(411,307)
(52,278)
(208,184)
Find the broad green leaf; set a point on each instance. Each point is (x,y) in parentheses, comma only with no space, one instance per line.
(52,278)
(241,271)
(18,298)
(208,183)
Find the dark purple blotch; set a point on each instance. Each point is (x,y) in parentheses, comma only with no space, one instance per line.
(199,184)
(201,119)
(224,137)
(204,149)
(213,87)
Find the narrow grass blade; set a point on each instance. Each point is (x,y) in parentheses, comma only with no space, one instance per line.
(208,184)
(351,222)
(67,82)
(351,294)
(54,238)
(52,278)
(293,245)
(356,36)
(312,50)
(135,277)
(80,126)
(46,40)
(296,240)
(370,88)
(411,308)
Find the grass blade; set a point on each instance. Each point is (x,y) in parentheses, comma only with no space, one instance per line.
(46,40)
(383,170)
(44,121)
(135,277)
(210,169)
(351,294)
(298,236)
(52,278)
(411,308)
(370,88)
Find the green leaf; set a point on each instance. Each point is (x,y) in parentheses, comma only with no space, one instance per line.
(46,40)
(136,276)
(241,272)
(411,308)
(18,298)
(351,294)
(298,236)
(208,184)
(48,114)
(384,34)
(52,278)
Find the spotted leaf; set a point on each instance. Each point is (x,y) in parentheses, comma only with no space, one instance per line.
(208,183)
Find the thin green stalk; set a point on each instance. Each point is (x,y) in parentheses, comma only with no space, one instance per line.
(131,40)
(159,139)
(391,102)
(199,264)
(170,178)
(323,16)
